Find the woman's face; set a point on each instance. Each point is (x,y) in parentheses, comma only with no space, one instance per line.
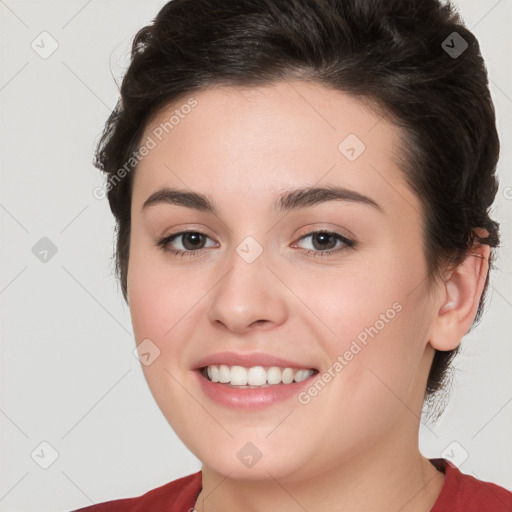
(262,281)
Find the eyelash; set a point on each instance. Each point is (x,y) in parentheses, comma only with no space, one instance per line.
(163,244)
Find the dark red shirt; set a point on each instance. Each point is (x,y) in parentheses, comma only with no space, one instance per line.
(460,493)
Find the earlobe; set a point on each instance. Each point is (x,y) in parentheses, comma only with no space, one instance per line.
(459,299)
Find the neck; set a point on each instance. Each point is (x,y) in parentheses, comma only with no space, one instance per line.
(389,474)
(398,480)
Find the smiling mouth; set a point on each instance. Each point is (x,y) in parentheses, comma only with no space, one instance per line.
(256,376)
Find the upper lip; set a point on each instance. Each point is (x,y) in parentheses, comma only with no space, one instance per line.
(248,360)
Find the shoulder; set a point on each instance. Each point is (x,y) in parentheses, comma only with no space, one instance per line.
(178,495)
(465,493)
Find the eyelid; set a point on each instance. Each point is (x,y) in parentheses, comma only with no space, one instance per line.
(327,228)
(167,239)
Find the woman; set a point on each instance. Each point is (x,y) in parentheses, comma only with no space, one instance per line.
(301,190)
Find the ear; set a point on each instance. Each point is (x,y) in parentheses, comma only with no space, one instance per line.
(459,299)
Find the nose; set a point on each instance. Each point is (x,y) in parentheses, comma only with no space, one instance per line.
(249,296)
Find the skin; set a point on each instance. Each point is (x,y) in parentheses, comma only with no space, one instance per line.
(243,147)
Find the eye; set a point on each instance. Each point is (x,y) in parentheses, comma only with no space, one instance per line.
(191,241)
(325,242)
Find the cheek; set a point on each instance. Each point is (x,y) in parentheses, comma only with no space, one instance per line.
(159,297)
(373,328)
(153,307)
(160,308)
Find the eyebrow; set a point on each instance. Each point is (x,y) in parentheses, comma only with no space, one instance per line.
(288,200)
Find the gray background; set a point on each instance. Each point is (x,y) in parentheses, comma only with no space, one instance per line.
(68,374)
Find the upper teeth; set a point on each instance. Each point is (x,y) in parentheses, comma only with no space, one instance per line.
(256,375)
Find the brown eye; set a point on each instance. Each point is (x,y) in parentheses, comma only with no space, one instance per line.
(191,243)
(327,242)
(192,240)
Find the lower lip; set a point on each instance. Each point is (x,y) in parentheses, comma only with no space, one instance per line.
(250,399)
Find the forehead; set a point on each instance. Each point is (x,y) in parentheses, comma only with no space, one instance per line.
(257,141)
